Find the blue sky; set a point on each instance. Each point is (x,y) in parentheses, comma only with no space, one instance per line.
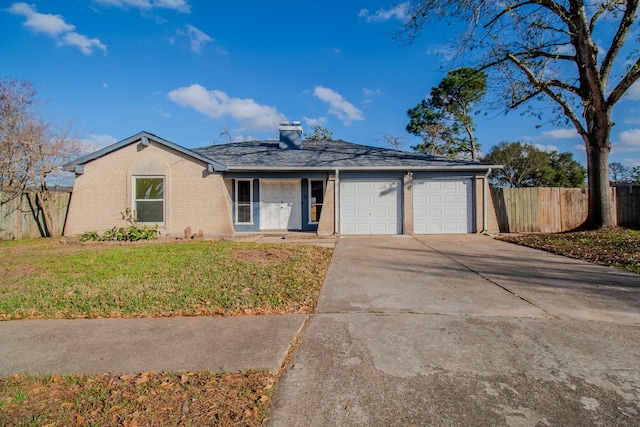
(188,70)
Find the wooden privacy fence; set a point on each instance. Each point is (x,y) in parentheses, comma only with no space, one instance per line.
(21,219)
(628,205)
(552,210)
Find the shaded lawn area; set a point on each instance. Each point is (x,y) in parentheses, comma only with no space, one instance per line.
(47,279)
(619,248)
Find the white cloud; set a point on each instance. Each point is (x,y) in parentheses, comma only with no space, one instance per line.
(96,142)
(546,148)
(177,5)
(447,52)
(399,12)
(561,134)
(216,104)
(55,26)
(197,38)
(338,106)
(84,43)
(372,92)
(319,121)
(566,49)
(628,141)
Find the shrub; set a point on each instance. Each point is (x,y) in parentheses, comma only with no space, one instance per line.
(130,233)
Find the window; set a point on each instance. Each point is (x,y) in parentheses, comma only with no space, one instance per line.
(244,202)
(316,191)
(149,199)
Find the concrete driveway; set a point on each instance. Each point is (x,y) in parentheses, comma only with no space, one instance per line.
(464,330)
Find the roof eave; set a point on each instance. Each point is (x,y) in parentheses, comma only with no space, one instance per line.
(142,136)
(366,168)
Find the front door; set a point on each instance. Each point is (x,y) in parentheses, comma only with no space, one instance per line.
(280,205)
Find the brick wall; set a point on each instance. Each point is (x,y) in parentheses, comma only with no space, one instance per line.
(193,197)
(408,203)
(326,225)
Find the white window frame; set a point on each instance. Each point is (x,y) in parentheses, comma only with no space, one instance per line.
(324,188)
(163,200)
(250,181)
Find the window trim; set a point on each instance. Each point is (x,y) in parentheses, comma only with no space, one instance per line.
(237,203)
(163,200)
(324,189)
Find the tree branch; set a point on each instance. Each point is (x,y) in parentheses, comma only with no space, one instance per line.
(568,111)
(557,10)
(603,8)
(618,40)
(564,85)
(629,79)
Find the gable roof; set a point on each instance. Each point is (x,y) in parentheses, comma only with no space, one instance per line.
(312,155)
(328,155)
(144,138)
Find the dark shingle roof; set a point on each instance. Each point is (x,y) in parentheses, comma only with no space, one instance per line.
(326,155)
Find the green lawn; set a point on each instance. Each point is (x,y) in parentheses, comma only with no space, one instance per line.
(47,279)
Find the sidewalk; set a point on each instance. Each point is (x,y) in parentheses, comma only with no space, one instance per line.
(96,346)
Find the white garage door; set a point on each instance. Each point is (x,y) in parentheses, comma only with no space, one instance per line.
(370,207)
(442,206)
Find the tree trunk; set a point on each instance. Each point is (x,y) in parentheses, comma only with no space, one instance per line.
(601,210)
(50,225)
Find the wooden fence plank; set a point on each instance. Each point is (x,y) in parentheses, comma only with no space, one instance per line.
(628,205)
(17,221)
(552,210)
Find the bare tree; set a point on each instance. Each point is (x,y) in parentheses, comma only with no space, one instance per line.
(620,174)
(579,57)
(31,150)
(394,141)
(226,134)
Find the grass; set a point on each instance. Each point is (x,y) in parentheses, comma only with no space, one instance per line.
(47,279)
(148,398)
(619,248)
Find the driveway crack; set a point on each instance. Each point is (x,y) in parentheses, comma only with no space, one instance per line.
(544,312)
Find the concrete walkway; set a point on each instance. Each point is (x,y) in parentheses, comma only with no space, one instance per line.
(96,346)
(464,331)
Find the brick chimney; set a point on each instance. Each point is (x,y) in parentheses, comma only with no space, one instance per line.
(290,135)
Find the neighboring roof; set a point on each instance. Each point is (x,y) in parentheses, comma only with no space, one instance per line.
(328,155)
(142,136)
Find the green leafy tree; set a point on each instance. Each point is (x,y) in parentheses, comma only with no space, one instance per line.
(443,120)
(564,171)
(319,134)
(527,166)
(578,56)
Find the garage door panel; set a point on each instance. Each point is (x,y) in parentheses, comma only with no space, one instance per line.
(442,206)
(370,206)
